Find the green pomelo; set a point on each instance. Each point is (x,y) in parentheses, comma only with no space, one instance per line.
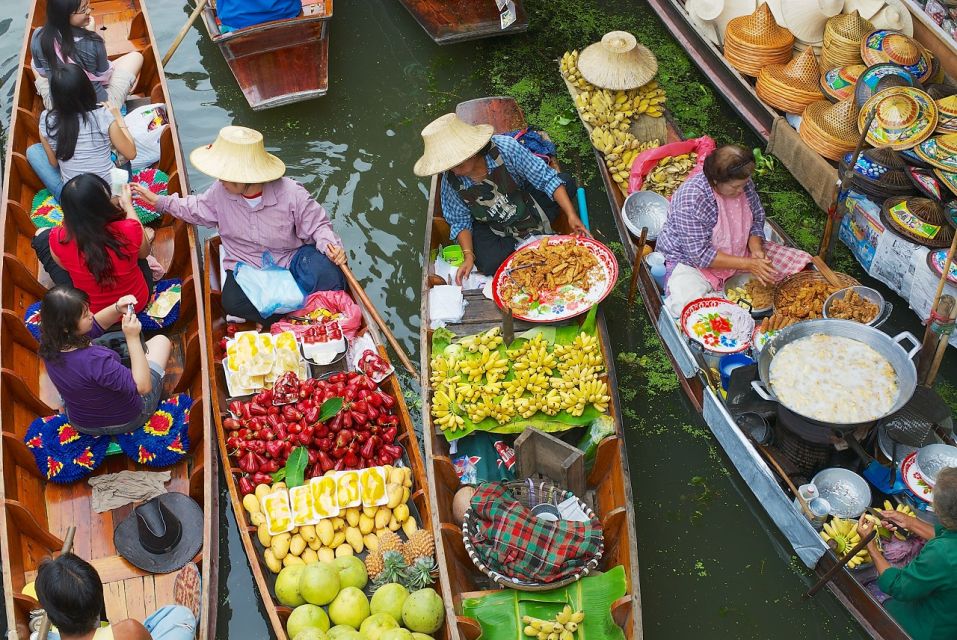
(389,598)
(376,625)
(423,611)
(350,607)
(352,572)
(287,586)
(305,617)
(319,583)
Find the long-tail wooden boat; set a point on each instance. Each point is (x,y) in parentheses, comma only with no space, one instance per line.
(215,331)
(281,61)
(767,485)
(37,513)
(448,22)
(610,479)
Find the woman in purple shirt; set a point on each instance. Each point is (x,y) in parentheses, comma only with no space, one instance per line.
(100,395)
(256,210)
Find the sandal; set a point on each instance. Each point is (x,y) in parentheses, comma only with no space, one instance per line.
(187,589)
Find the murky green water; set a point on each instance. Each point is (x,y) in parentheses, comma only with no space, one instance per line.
(711,564)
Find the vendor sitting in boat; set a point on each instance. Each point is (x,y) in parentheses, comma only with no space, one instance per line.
(924,592)
(257,210)
(715,229)
(239,14)
(495,192)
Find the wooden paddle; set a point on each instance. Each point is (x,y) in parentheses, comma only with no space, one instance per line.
(67,547)
(399,351)
(840,564)
(827,272)
(636,267)
(182,32)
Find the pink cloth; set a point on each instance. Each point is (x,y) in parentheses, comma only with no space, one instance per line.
(102,78)
(286,219)
(334,301)
(730,235)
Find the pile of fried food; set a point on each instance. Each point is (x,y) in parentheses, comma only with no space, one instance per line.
(805,302)
(546,268)
(669,174)
(853,307)
(756,294)
(776,322)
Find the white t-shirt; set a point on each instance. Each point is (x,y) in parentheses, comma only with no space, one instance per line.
(93,147)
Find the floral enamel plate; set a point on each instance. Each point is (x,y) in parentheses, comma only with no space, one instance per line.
(760,339)
(914,481)
(551,304)
(936,259)
(719,325)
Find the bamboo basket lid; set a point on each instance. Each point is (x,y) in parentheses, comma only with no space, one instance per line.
(904,117)
(618,62)
(885,46)
(830,129)
(756,40)
(791,87)
(838,83)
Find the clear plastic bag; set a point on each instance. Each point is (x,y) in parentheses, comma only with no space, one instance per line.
(271,289)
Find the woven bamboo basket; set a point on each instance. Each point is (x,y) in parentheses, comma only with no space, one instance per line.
(842,40)
(790,286)
(756,40)
(791,87)
(529,494)
(830,129)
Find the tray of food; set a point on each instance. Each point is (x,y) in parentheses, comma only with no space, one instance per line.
(801,296)
(749,292)
(255,360)
(555,278)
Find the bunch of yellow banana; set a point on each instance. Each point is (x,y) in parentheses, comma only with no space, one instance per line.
(551,402)
(527,406)
(569,69)
(532,381)
(535,357)
(443,409)
(901,508)
(588,391)
(489,364)
(563,627)
(584,349)
(844,535)
(443,370)
(648,99)
(670,173)
(619,164)
(491,340)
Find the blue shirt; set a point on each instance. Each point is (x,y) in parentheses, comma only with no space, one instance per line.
(240,14)
(524,166)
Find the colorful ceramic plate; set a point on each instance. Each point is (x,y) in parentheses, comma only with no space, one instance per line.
(912,478)
(936,259)
(720,326)
(567,301)
(760,339)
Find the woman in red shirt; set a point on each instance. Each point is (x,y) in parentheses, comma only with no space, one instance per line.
(101,248)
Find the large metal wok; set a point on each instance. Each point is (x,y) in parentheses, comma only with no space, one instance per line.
(890,348)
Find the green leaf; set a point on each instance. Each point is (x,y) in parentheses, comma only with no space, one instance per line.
(562,121)
(280,475)
(329,408)
(296,467)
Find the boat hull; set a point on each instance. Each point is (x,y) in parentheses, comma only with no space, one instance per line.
(448,22)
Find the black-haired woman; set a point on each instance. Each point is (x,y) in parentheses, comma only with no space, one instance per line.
(78,134)
(101,248)
(69,36)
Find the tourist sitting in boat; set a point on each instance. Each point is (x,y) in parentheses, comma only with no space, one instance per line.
(924,592)
(69,589)
(495,192)
(69,36)
(100,395)
(78,134)
(715,229)
(256,210)
(239,14)
(101,248)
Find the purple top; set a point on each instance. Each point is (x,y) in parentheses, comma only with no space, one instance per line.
(97,390)
(686,236)
(286,219)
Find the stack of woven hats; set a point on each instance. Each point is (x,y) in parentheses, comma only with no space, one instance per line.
(793,86)
(838,83)
(879,174)
(830,129)
(882,46)
(947,115)
(903,118)
(842,40)
(756,40)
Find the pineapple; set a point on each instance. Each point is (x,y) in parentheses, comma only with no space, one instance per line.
(420,544)
(393,568)
(390,541)
(419,573)
(374,564)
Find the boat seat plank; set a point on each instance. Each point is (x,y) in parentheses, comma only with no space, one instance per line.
(114,593)
(134,598)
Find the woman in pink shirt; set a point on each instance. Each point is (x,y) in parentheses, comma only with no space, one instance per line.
(256,210)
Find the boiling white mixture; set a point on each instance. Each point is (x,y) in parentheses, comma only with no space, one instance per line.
(833,379)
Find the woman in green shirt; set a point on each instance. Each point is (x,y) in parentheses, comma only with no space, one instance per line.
(923,593)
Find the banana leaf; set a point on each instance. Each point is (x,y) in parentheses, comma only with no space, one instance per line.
(500,613)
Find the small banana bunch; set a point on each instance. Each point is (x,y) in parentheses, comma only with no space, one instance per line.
(443,409)
(535,357)
(489,363)
(670,173)
(843,533)
(442,371)
(648,99)
(491,340)
(900,508)
(563,627)
(568,66)
(592,391)
(584,349)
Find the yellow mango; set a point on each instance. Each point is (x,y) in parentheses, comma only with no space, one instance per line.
(274,565)
(326,554)
(368,512)
(264,538)
(315,544)
(352,516)
(257,518)
(308,533)
(371,541)
(382,517)
(401,513)
(325,532)
(291,560)
(409,527)
(297,545)
(251,503)
(260,492)
(344,550)
(309,556)
(394,525)
(396,476)
(408,477)
(354,538)
(406,494)
(338,539)
(394,492)
(366,523)
(338,523)
(280,545)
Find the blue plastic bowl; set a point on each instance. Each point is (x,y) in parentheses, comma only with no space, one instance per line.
(729,363)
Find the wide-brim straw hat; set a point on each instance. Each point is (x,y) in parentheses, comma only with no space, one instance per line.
(718,13)
(705,26)
(894,15)
(830,129)
(879,77)
(793,86)
(948,179)
(806,19)
(450,141)
(939,152)
(903,118)
(838,83)
(879,174)
(883,45)
(618,62)
(756,40)
(842,40)
(927,183)
(947,114)
(920,220)
(238,155)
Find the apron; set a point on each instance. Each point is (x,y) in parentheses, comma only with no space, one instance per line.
(500,203)
(730,235)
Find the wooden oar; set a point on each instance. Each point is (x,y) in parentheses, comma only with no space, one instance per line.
(636,266)
(182,32)
(840,564)
(797,494)
(827,272)
(399,351)
(67,547)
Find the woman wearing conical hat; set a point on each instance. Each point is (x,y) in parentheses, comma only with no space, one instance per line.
(495,192)
(256,210)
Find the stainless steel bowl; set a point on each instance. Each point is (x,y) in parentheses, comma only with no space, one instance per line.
(645,209)
(847,493)
(884,308)
(739,280)
(933,459)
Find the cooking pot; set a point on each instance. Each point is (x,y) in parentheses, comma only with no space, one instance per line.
(890,348)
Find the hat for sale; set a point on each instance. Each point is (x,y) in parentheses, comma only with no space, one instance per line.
(947,114)
(162,534)
(756,40)
(793,86)
(838,83)
(879,77)
(903,118)
(939,152)
(618,62)
(830,129)
(884,45)
(920,220)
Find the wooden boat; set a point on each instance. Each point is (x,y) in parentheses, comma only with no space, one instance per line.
(278,62)
(215,331)
(448,22)
(36,513)
(609,479)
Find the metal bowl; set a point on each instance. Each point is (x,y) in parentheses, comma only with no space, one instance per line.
(933,459)
(847,493)
(739,280)
(645,209)
(871,295)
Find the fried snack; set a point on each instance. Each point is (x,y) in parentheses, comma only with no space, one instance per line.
(761,295)
(776,322)
(547,268)
(807,302)
(853,307)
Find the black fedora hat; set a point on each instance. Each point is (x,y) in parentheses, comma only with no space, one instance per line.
(162,534)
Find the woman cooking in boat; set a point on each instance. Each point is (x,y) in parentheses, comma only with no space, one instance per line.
(715,229)
(257,210)
(495,192)
(924,592)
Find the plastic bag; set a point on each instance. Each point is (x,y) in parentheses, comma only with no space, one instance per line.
(646,160)
(271,289)
(600,428)
(146,125)
(334,302)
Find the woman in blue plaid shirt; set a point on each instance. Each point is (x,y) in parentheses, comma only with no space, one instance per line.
(494,191)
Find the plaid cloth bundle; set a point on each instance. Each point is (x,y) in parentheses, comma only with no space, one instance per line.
(513,542)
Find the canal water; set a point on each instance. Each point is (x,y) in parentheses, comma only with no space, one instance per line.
(712,565)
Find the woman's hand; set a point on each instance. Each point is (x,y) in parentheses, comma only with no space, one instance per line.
(464,269)
(576,226)
(144,194)
(336,254)
(763,270)
(131,326)
(864,528)
(114,110)
(895,520)
(126,201)
(123,302)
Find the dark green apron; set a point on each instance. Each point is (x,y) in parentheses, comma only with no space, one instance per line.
(500,203)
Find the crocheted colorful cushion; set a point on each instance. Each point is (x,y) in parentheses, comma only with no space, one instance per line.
(45,211)
(32,319)
(63,454)
(157,182)
(155,324)
(164,439)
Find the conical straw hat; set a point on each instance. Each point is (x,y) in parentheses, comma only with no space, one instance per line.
(903,117)
(895,15)
(806,18)
(793,86)
(238,155)
(884,45)
(450,141)
(830,129)
(617,62)
(838,83)
(842,39)
(706,10)
(866,8)
(724,11)
(939,152)
(947,115)
(756,40)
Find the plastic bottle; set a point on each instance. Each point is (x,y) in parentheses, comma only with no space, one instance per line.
(808,492)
